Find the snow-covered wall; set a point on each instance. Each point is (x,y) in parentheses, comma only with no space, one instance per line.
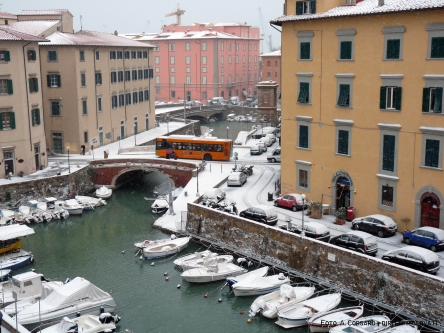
(415,292)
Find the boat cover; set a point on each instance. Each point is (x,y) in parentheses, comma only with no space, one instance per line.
(14,231)
(287,291)
(255,282)
(67,326)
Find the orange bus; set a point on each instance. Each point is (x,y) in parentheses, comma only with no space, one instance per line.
(189,146)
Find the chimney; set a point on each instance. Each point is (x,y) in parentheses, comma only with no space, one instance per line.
(116,33)
(380,3)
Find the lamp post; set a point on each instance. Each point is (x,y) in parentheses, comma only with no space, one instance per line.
(135,142)
(303,196)
(227,131)
(69,165)
(168,123)
(197,175)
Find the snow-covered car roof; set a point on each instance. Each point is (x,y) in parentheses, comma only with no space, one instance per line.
(438,232)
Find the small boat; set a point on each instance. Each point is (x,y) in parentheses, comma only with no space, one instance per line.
(259,285)
(28,215)
(208,261)
(165,248)
(5,274)
(187,258)
(41,212)
(10,245)
(104,192)
(160,205)
(56,208)
(263,271)
(214,273)
(76,296)
(6,217)
(295,315)
(85,324)
(72,206)
(16,260)
(323,322)
(18,257)
(374,324)
(268,305)
(406,328)
(95,202)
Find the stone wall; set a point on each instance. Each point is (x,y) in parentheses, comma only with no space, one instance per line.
(79,182)
(415,292)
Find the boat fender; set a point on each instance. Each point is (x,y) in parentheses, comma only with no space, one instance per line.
(220,300)
(145,243)
(78,314)
(167,278)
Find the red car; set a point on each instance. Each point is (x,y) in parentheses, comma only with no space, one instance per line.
(292,201)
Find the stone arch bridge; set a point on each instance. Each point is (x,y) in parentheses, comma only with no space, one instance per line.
(113,173)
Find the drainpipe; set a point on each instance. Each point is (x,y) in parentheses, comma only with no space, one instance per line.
(44,130)
(27,93)
(95,88)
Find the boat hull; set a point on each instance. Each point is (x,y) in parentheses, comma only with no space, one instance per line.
(16,260)
(14,246)
(75,211)
(323,322)
(255,292)
(165,249)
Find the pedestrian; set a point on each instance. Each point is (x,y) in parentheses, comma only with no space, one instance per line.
(9,175)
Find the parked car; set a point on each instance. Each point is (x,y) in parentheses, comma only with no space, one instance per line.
(263,145)
(271,136)
(414,257)
(236,179)
(428,237)
(266,140)
(262,213)
(256,150)
(357,241)
(312,229)
(275,155)
(378,224)
(292,201)
(214,194)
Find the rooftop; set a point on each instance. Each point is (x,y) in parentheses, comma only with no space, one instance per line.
(92,38)
(44,12)
(35,28)
(272,54)
(6,34)
(5,15)
(366,7)
(183,35)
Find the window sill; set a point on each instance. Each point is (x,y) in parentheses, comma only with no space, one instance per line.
(82,86)
(344,107)
(345,60)
(56,115)
(389,110)
(300,103)
(338,154)
(386,59)
(430,168)
(388,208)
(305,59)
(434,58)
(54,87)
(302,148)
(433,113)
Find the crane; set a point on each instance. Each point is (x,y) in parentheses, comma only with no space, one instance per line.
(178,13)
(268,41)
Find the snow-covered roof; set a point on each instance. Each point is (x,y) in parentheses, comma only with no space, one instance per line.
(366,7)
(272,54)
(5,15)
(35,28)
(92,38)
(7,34)
(231,24)
(188,35)
(44,12)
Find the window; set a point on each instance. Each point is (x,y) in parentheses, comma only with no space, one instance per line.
(145,54)
(343,136)
(204,79)
(134,74)
(393,49)
(157,90)
(151,71)
(303,175)
(432,150)
(99,104)
(55,108)
(119,55)
(85,137)
(52,56)
(229,59)
(127,54)
(346,51)
(388,153)
(204,60)
(187,46)
(305,7)
(133,55)
(172,79)
(304,88)
(275,75)
(244,58)
(6,87)
(82,55)
(237,59)
(146,74)
(33,85)
(147,95)
(387,196)
(157,60)
(304,53)
(204,46)
(156,47)
(140,74)
(172,47)
(303,178)
(230,46)
(157,79)
(303,136)
(237,47)
(204,69)
(7,120)
(172,69)
(83,79)
(244,47)
(84,107)
(32,55)
(99,78)
(204,95)
(139,54)
(127,75)
(222,59)
(437,46)
(304,132)
(35,117)
(114,102)
(140,96)
(135,97)
(344,95)
(113,77)
(112,55)
(172,60)
(432,99)
(346,38)
(97,55)
(188,70)
(120,76)
(121,100)
(188,80)
(390,98)
(173,94)
(128,98)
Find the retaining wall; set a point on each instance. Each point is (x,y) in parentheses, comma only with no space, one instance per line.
(415,292)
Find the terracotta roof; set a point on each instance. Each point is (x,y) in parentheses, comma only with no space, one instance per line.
(366,7)
(92,38)
(35,28)
(7,34)
(6,15)
(44,12)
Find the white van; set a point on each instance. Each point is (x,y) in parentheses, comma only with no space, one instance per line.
(275,155)
(236,179)
(266,140)
(217,100)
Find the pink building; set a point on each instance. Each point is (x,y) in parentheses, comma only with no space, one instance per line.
(203,61)
(271,67)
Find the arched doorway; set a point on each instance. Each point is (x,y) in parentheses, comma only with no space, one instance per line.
(430,210)
(342,190)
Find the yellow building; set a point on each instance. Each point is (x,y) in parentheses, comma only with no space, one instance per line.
(362,106)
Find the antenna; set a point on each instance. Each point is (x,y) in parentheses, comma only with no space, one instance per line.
(81,26)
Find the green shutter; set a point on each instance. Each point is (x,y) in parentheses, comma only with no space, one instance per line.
(313,7)
(1,121)
(299,7)
(388,153)
(10,88)
(344,94)
(438,100)
(30,84)
(37,111)
(303,136)
(432,153)
(343,142)
(346,50)
(393,48)
(304,88)
(383,98)
(33,117)
(305,50)
(34,55)
(48,80)
(7,56)
(398,98)
(59,82)
(425,99)
(12,119)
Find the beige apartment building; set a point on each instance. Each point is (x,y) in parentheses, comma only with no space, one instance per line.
(22,134)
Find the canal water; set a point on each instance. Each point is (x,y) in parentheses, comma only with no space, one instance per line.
(234,127)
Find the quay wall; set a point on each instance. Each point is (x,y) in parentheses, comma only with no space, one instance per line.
(193,127)
(415,292)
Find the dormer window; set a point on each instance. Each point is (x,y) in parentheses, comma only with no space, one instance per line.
(305,7)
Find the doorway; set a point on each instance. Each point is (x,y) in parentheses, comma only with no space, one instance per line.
(342,192)
(122,130)
(430,210)
(57,143)
(8,158)
(37,157)
(100,136)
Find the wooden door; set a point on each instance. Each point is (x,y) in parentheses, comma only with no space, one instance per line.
(430,210)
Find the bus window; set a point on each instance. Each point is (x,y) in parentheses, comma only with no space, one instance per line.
(161,144)
(174,145)
(218,148)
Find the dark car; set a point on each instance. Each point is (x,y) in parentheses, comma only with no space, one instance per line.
(378,224)
(262,213)
(312,230)
(414,257)
(357,241)
(428,237)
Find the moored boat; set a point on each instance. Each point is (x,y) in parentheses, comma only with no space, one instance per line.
(210,274)
(374,324)
(207,261)
(95,202)
(72,206)
(323,322)
(104,192)
(259,285)
(17,257)
(85,324)
(263,271)
(160,205)
(185,259)
(165,248)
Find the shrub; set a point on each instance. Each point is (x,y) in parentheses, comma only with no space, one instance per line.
(341,213)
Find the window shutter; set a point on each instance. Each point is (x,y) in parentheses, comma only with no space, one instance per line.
(303,136)
(438,100)
(48,80)
(37,111)
(34,55)
(393,48)
(299,7)
(12,119)
(7,56)
(59,82)
(30,83)
(343,142)
(33,117)
(10,88)
(383,98)
(344,93)
(305,50)
(388,153)
(425,99)
(398,98)
(313,7)
(151,73)
(303,92)
(1,121)
(432,153)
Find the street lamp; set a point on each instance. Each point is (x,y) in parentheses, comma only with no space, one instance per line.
(135,126)
(303,196)
(69,165)
(227,131)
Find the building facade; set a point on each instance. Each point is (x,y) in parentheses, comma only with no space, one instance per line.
(22,134)
(271,67)
(362,108)
(203,61)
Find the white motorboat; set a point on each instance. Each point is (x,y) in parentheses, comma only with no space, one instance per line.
(259,285)
(56,208)
(160,205)
(43,214)
(71,205)
(28,287)
(268,305)
(207,261)
(17,257)
(76,296)
(85,324)
(374,324)
(210,274)
(187,258)
(104,192)
(95,202)
(5,274)
(295,315)
(28,215)
(263,271)
(161,249)
(6,217)
(406,328)
(323,322)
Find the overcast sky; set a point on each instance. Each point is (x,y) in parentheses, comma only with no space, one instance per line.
(129,16)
